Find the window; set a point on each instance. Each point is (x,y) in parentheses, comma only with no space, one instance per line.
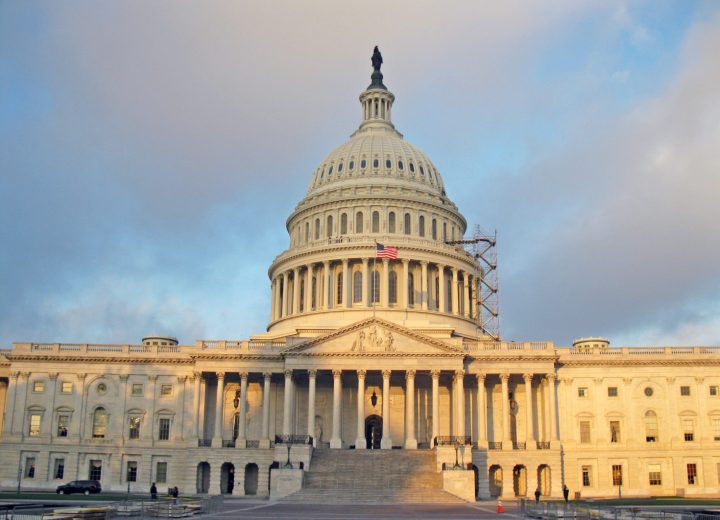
(340,167)
(132,471)
(59,468)
(421,226)
(685,391)
(343,224)
(582,391)
(307,232)
(164,430)
(406,224)
(30,467)
(357,287)
(329,227)
(313,293)
(411,289)
(302,295)
(351,166)
(586,476)
(688,430)
(648,391)
(617,475)
(35,425)
(101,388)
(67,387)
(444,231)
(412,167)
(392,282)
(99,427)
(95,471)
(654,475)
(39,387)
(317,229)
(388,163)
(359,222)
(63,424)
(612,391)
(692,474)
(391,222)
(651,427)
(614,431)
(584,431)
(434,229)
(363,163)
(137,389)
(400,166)
(376,163)
(339,288)
(375,287)
(161,472)
(422,172)
(375,222)
(330,171)
(165,390)
(134,428)
(715,427)
(714,391)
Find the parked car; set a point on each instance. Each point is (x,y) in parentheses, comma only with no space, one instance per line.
(79,486)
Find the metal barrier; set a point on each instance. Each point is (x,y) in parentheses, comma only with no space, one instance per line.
(553,510)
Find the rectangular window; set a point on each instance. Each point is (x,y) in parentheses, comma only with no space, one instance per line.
(654,475)
(688,430)
(614,431)
(95,472)
(161,472)
(39,386)
(692,474)
(132,471)
(62,426)
(66,387)
(59,468)
(612,391)
(586,476)
(35,425)
(617,474)
(165,390)
(134,429)
(714,391)
(715,426)
(585,431)
(137,389)
(30,467)
(582,391)
(685,390)
(164,431)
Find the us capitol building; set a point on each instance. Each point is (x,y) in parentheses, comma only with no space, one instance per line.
(373,353)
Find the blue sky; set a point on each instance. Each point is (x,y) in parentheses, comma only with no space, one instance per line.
(151,152)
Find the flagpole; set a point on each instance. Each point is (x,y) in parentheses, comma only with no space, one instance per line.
(372,296)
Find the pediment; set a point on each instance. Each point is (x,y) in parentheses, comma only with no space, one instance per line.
(374,337)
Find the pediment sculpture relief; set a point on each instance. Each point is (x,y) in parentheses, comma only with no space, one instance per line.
(373,339)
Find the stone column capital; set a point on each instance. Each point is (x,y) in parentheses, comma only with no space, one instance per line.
(337,373)
(267,375)
(124,377)
(699,379)
(386,374)
(312,373)
(345,262)
(182,379)
(243,375)
(598,380)
(528,377)
(405,261)
(152,377)
(409,374)
(81,377)
(14,374)
(459,374)
(566,381)
(365,261)
(551,378)
(670,380)
(480,377)
(220,376)
(25,375)
(53,376)
(361,373)
(288,373)
(504,377)
(435,374)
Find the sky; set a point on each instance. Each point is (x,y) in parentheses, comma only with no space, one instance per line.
(150,153)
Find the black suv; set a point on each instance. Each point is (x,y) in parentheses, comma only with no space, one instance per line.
(79,486)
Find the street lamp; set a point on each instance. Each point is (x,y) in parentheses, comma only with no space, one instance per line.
(457,446)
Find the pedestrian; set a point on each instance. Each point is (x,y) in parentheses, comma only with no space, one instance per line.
(537,496)
(175,492)
(153,491)
(566,493)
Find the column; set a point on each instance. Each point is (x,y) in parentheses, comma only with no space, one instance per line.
(460,400)
(287,404)
(366,282)
(466,294)
(424,285)
(441,288)
(179,426)
(507,439)
(285,306)
(454,291)
(410,440)
(385,286)
(386,441)
(346,284)
(296,291)
(80,423)
(272,300)
(217,435)
(148,431)
(308,287)
(553,407)
(405,278)
(10,403)
(241,441)
(360,442)
(336,440)
(481,410)
(435,405)
(529,426)
(327,286)
(265,435)
(312,374)
(196,401)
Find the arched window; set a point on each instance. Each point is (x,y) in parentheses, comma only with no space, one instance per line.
(375,287)
(434,229)
(437,293)
(343,224)
(302,295)
(651,426)
(307,232)
(411,289)
(329,227)
(313,303)
(317,229)
(359,222)
(339,288)
(376,222)
(392,289)
(363,164)
(406,226)
(444,231)
(357,287)
(448,294)
(391,222)
(421,226)
(99,423)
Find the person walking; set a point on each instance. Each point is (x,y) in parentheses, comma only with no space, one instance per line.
(566,493)
(153,491)
(537,496)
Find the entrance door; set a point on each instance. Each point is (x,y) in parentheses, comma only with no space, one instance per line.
(373,432)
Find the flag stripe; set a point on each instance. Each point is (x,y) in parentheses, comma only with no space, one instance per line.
(382,251)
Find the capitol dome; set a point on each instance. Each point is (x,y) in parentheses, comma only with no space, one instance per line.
(376,188)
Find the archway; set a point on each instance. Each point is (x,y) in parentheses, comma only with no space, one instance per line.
(495,474)
(274,465)
(520,480)
(543,478)
(251,479)
(227,478)
(476,473)
(373,432)
(203,478)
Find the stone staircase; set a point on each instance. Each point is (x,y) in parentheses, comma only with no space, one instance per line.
(372,477)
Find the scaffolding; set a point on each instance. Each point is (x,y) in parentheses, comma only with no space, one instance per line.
(485,293)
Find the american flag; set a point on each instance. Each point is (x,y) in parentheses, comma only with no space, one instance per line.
(382,251)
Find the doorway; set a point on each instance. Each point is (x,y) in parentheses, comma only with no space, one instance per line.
(203,478)
(373,432)
(227,478)
(520,480)
(251,479)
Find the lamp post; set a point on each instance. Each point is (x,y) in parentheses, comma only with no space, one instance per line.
(457,446)
(288,464)
(462,454)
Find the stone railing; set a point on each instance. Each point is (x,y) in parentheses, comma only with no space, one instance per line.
(247,345)
(639,351)
(452,440)
(543,445)
(508,346)
(294,439)
(497,445)
(95,349)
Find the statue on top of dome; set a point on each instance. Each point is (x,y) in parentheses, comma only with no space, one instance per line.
(376,59)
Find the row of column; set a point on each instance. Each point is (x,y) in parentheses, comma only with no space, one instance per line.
(286,288)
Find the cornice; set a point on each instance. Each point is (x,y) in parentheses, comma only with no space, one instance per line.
(677,362)
(104,359)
